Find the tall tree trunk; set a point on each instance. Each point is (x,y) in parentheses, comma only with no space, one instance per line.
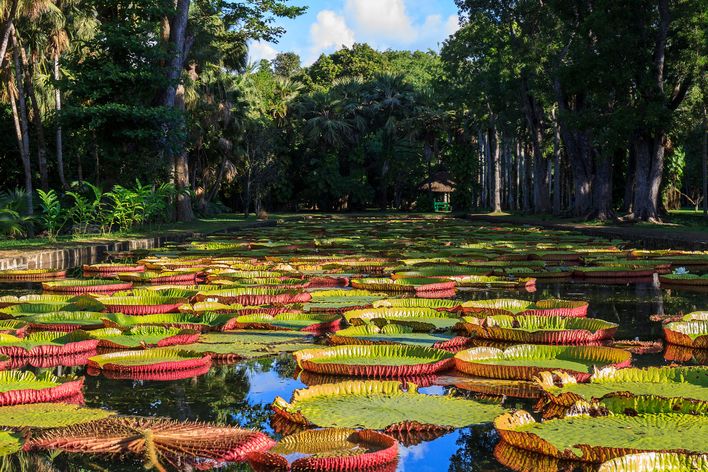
(24,130)
(23,155)
(705,162)
(540,185)
(630,180)
(496,169)
(602,189)
(649,158)
(556,167)
(59,138)
(37,118)
(177,38)
(525,171)
(7,29)
(483,167)
(181,170)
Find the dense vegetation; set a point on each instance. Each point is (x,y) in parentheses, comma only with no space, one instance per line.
(591,109)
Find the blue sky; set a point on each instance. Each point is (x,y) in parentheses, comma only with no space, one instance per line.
(384,24)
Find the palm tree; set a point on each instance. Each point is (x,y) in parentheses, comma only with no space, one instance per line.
(391,101)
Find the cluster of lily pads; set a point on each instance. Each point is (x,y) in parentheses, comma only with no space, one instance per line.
(369,322)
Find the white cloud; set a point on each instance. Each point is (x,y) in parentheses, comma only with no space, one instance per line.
(330,31)
(452,25)
(382,19)
(258,50)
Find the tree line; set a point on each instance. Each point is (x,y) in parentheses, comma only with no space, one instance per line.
(592,108)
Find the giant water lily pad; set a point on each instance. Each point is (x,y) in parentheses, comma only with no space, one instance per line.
(329,449)
(540,329)
(22,275)
(86,285)
(396,334)
(16,328)
(143,304)
(422,319)
(25,387)
(436,303)
(596,439)
(648,390)
(150,361)
(254,296)
(510,306)
(48,415)
(203,322)
(175,442)
(337,301)
(381,405)
(290,321)
(66,320)
(10,443)
(414,285)
(240,344)
(144,336)
(663,461)
(525,361)
(692,333)
(47,343)
(388,360)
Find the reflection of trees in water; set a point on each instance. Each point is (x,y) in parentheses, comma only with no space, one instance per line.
(285,366)
(476,450)
(219,396)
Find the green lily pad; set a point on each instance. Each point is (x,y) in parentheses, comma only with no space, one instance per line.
(10,443)
(381,404)
(48,415)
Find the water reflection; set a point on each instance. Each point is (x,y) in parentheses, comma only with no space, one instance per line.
(240,394)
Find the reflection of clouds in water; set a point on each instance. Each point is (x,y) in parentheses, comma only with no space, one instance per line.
(266,385)
(433,390)
(410,453)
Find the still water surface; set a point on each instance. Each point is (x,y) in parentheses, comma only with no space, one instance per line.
(241,394)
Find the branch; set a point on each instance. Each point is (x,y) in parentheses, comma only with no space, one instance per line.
(679,93)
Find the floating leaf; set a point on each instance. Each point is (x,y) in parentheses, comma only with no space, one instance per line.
(48,415)
(381,405)
(534,329)
(10,443)
(388,360)
(330,449)
(525,361)
(157,439)
(597,439)
(25,387)
(648,390)
(664,461)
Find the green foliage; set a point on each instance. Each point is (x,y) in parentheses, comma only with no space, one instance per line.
(14,221)
(53,217)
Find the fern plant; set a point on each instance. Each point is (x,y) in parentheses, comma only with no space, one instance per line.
(53,217)
(87,209)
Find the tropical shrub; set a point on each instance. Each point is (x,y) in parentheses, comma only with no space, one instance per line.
(53,216)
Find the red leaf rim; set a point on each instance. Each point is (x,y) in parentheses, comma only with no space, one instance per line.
(89,288)
(512,372)
(680,339)
(137,310)
(58,393)
(376,460)
(157,367)
(560,337)
(58,274)
(71,348)
(376,371)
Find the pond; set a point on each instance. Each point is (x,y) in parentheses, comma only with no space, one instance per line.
(241,393)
